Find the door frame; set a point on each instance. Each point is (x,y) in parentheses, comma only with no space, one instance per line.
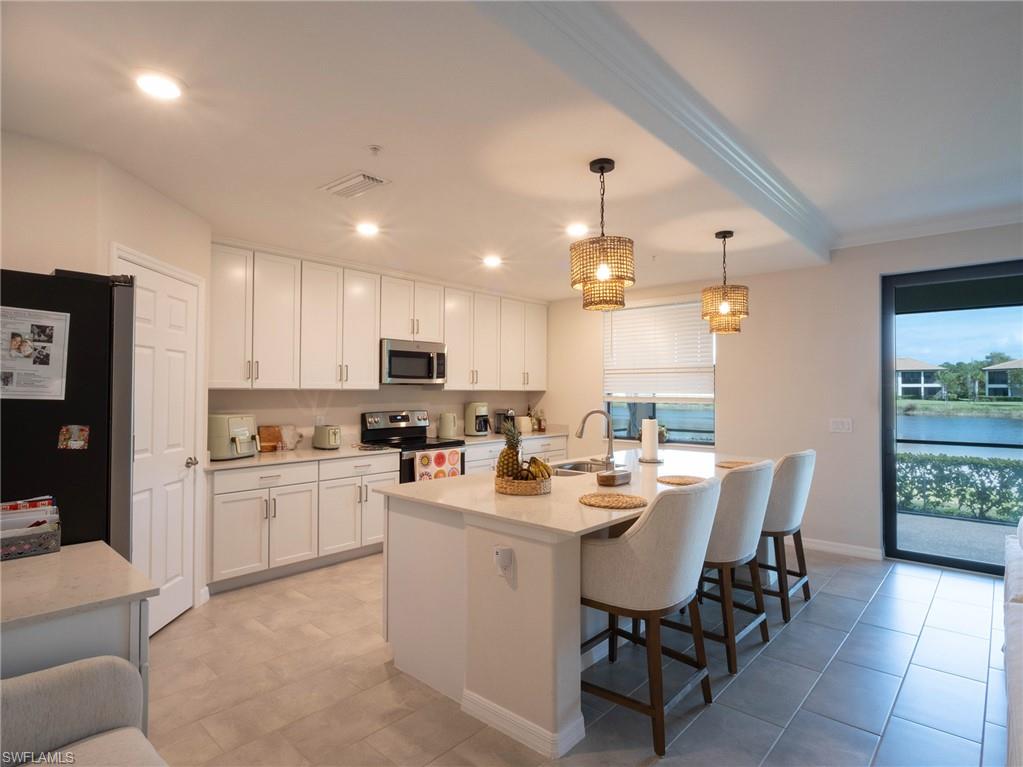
(119,252)
(889,515)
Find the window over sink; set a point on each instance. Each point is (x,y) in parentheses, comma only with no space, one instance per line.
(659,363)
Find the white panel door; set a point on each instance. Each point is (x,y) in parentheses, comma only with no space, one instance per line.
(513,345)
(294,522)
(322,289)
(360,328)
(458,339)
(373,506)
(486,342)
(276,321)
(429,314)
(340,515)
(241,530)
(164,413)
(535,352)
(230,358)
(397,308)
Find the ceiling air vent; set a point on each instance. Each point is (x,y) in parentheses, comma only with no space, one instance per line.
(353,185)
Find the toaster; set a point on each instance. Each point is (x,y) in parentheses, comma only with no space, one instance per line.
(327,437)
(231,435)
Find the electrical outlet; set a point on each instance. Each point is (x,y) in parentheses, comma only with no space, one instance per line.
(840,425)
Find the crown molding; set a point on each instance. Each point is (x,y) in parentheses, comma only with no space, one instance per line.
(929,227)
(595,46)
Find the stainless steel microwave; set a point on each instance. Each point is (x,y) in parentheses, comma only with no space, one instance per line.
(412,362)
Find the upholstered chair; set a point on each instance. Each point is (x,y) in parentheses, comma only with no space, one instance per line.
(652,570)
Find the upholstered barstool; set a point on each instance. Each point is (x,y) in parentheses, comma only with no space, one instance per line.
(791,487)
(650,571)
(733,543)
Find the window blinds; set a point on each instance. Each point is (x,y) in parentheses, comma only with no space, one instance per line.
(658,354)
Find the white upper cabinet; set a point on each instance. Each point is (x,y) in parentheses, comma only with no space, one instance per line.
(360,326)
(513,344)
(230,361)
(486,342)
(322,296)
(535,354)
(429,312)
(276,321)
(397,308)
(458,322)
(523,345)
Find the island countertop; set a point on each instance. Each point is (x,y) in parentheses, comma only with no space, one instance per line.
(79,577)
(560,511)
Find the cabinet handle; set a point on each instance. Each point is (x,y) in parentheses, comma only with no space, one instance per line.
(346,372)
(248,370)
(340,372)
(257,370)
(365,489)
(270,476)
(527,378)
(266,506)
(417,327)
(274,515)
(362,466)
(411,326)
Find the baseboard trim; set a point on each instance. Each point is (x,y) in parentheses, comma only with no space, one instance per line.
(204,596)
(861,552)
(528,733)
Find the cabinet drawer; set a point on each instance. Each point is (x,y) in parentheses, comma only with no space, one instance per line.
(555,455)
(355,467)
(480,467)
(484,452)
(540,445)
(257,477)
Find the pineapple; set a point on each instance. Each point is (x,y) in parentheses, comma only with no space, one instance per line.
(508,460)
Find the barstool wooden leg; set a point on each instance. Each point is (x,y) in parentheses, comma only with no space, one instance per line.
(636,625)
(653,663)
(696,623)
(612,641)
(797,539)
(728,613)
(758,595)
(783,577)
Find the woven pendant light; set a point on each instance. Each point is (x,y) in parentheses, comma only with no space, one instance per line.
(605,259)
(725,305)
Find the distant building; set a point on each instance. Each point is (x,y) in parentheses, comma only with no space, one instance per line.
(916,379)
(997,382)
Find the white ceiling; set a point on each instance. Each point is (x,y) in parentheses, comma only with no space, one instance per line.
(879,118)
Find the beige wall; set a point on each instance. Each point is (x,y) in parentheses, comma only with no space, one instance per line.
(810,352)
(62,208)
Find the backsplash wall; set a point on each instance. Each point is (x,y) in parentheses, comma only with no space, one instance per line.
(344,407)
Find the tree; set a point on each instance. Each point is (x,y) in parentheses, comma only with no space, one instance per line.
(962,380)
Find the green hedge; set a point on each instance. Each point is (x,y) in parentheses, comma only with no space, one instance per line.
(961,486)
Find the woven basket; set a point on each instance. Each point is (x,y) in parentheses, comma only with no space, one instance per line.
(507,486)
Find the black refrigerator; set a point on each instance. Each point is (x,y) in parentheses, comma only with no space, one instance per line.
(45,449)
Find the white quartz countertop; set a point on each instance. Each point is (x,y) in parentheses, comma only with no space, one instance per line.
(560,510)
(495,438)
(79,577)
(300,455)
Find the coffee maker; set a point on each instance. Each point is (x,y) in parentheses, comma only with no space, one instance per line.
(477,419)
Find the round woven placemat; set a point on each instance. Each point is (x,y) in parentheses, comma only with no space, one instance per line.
(680,479)
(732,464)
(613,500)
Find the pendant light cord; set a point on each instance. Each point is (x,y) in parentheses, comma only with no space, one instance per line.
(602,203)
(724,261)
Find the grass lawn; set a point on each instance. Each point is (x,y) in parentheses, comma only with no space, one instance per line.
(960,407)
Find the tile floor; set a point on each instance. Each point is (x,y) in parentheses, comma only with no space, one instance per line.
(888,664)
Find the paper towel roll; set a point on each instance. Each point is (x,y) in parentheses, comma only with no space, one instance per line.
(524,424)
(649,435)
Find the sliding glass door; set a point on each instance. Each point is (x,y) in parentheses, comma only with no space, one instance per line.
(953,414)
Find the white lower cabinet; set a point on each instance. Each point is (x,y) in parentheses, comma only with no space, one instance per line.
(373,506)
(480,467)
(340,515)
(293,523)
(241,533)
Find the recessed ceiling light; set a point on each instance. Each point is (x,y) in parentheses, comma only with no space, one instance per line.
(493,261)
(367,229)
(576,230)
(159,86)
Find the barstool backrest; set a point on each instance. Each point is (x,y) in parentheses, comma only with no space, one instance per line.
(789,491)
(740,514)
(657,562)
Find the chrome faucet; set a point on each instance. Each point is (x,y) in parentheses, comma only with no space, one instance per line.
(609,459)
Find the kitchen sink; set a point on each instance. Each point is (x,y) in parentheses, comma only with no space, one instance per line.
(579,467)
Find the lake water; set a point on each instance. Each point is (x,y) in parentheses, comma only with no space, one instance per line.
(1006,431)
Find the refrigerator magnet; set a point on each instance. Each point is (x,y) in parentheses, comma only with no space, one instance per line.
(73,437)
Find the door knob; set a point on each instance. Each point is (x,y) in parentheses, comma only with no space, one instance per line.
(191,461)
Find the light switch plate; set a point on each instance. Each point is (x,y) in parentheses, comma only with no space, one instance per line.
(840,425)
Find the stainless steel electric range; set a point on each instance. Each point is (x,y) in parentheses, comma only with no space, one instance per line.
(422,457)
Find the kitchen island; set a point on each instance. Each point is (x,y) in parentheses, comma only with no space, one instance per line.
(505,642)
